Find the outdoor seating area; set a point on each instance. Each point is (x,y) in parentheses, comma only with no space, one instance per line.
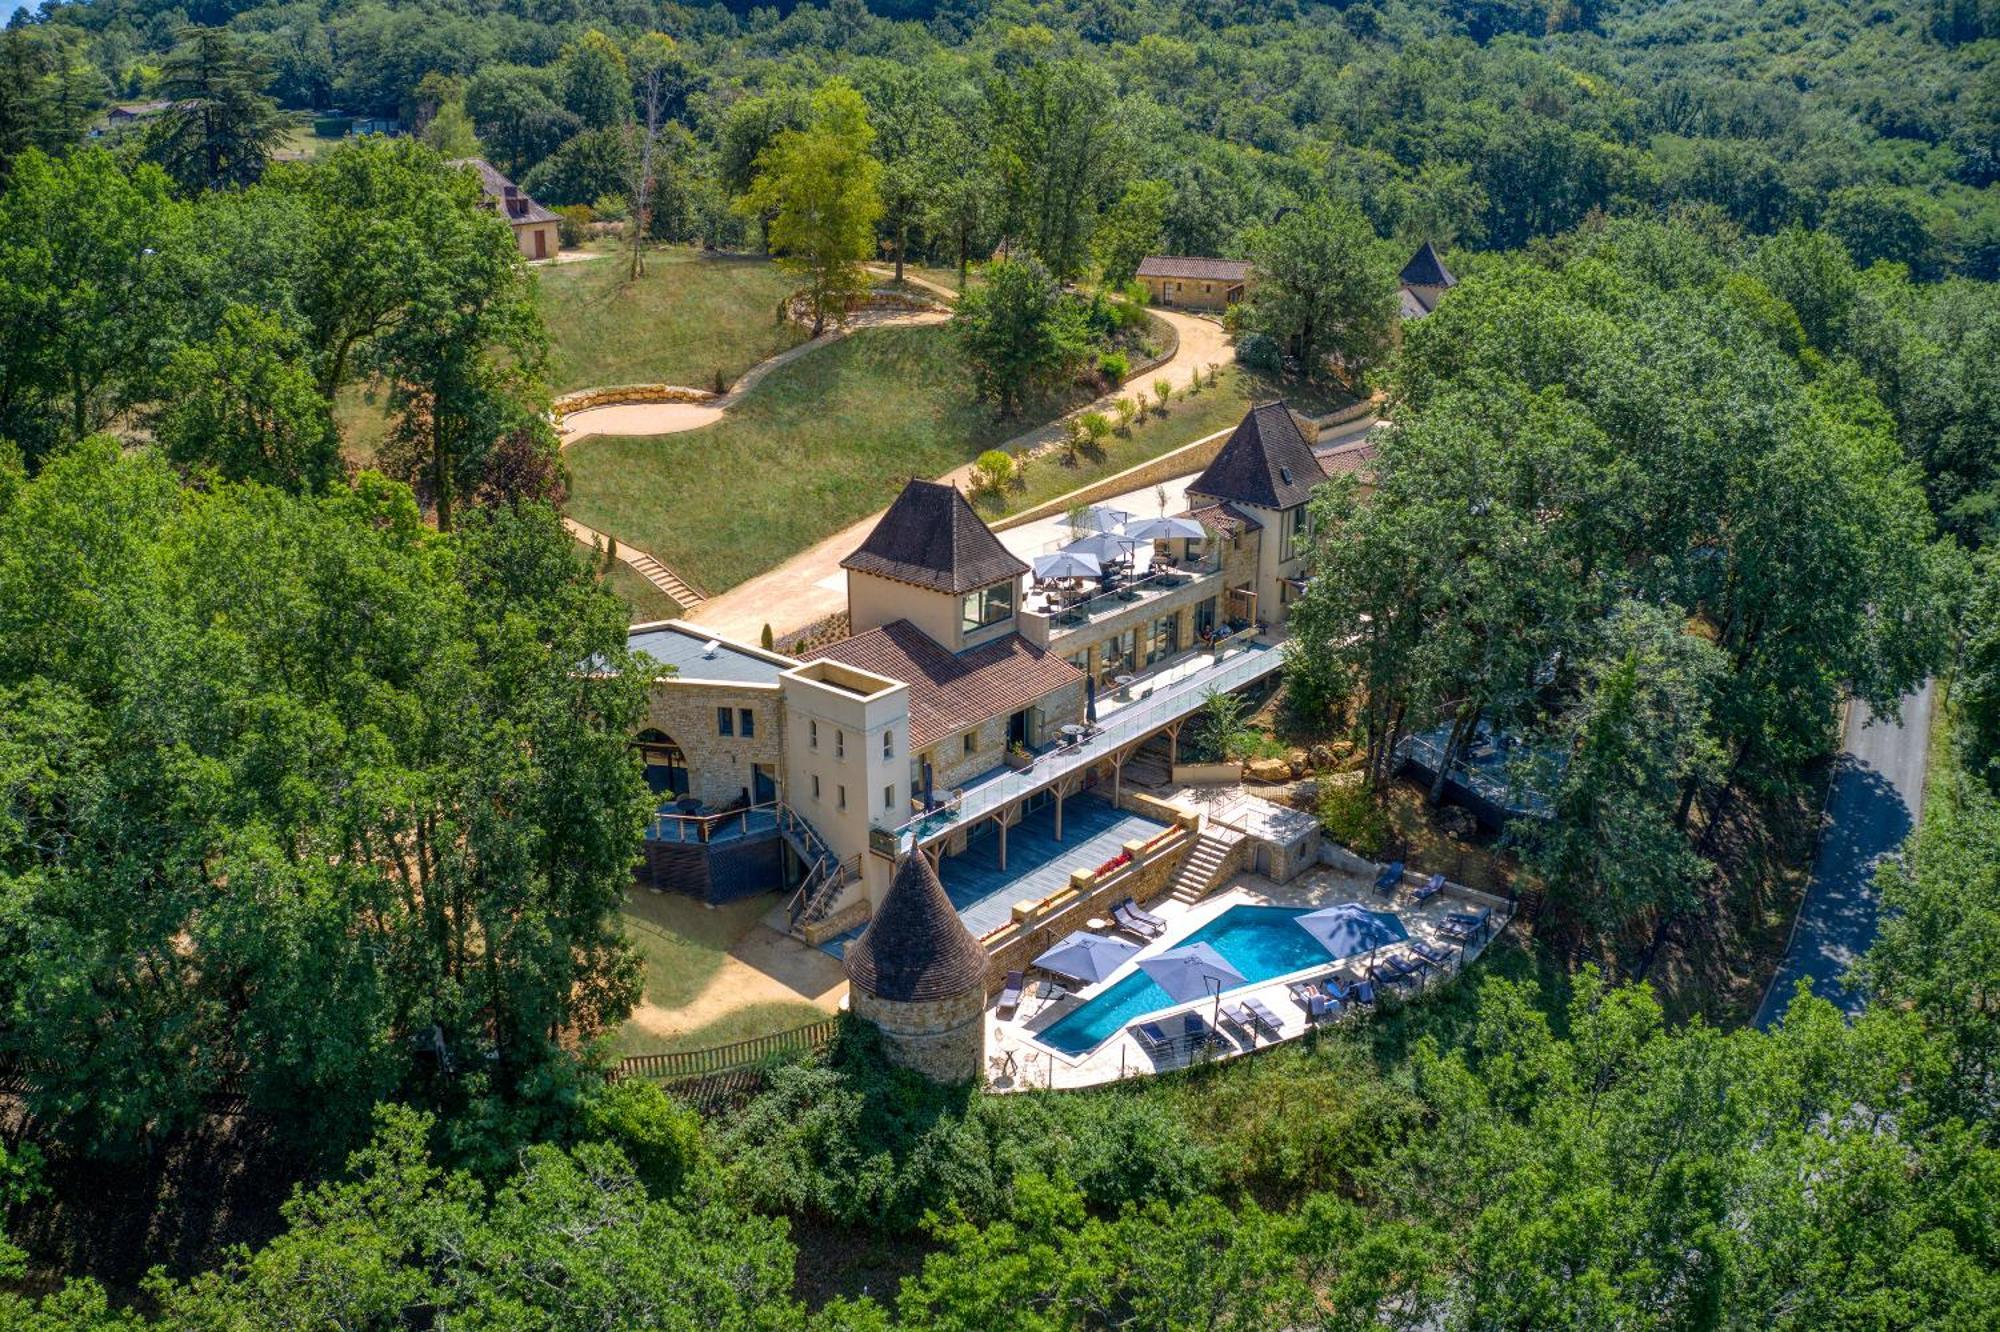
(1253,964)
(1116,560)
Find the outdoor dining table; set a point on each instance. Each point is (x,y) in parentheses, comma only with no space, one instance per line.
(1124,683)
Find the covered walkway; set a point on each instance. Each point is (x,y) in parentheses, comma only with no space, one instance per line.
(1037,863)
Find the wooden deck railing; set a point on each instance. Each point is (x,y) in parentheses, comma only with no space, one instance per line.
(809,1039)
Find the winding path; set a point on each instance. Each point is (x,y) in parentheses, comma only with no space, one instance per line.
(1876,802)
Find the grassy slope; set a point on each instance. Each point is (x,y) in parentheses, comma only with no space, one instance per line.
(830,439)
(687,318)
(821,443)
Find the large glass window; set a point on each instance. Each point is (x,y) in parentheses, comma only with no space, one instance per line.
(989,605)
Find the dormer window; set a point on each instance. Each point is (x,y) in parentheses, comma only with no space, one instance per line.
(1285,475)
(987,606)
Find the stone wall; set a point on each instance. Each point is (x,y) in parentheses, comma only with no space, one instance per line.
(718,765)
(943,1039)
(622,394)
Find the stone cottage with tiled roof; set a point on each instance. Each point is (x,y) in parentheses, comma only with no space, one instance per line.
(536,229)
(1196,283)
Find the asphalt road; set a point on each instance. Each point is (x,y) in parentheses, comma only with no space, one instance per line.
(1878,796)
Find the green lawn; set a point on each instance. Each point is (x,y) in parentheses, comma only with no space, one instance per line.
(822,442)
(687,318)
(831,438)
(683,944)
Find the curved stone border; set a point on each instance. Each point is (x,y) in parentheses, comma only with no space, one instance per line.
(623,395)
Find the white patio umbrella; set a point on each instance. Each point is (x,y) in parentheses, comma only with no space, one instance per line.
(1086,957)
(1194,971)
(1104,518)
(1166,529)
(1103,546)
(1068,564)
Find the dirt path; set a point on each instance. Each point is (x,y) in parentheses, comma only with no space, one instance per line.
(811,585)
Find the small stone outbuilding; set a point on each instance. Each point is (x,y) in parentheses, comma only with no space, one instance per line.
(919,975)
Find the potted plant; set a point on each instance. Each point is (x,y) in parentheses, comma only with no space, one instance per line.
(1019,757)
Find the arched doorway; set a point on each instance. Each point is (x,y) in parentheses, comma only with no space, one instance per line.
(666,766)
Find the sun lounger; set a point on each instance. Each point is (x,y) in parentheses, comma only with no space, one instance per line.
(1153,1038)
(1431,953)
(1391,875)
(1238,1015)
(1133,924)
(1430,888)
(1196,1032)
(1398,970)
(1465,924)
(1335,991)
(1131,904)
(1263,1014)
(1305,990)
(1010,993)
(1361,992)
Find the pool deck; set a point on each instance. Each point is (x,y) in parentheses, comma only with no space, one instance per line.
(1037,863)
(1016,1060)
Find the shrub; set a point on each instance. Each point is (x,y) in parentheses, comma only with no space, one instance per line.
(993,470)
(1350,815)
(1096,425)
(573,223)
(1260,351)
(1163,391)
(1074,437)
(1114,366)
(1127,410)
(659,1136)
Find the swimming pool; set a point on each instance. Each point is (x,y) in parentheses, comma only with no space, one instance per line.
(1259,941)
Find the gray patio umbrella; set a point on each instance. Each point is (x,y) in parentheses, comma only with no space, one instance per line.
(1191,972)
(1102,546)
(1090,698)
(1104,518)
(1167,529)
(1068,564)
(1086,957)
(1351,928)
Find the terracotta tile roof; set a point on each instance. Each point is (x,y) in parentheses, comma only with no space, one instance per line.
(1225,518)
(1266,462)
(950,692)
(1214,270)
(916,948)
(497,189)
(1354,455)
(931,537)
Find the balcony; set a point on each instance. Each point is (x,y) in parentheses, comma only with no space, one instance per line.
(1134,713)
(1155,584)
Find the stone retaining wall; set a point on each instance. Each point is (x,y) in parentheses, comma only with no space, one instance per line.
(625,394)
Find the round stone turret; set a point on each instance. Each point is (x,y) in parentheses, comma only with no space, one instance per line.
(918,974)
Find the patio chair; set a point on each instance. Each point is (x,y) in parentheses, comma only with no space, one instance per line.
(1131,904)
(1430,888)
(1441,958)
(1131,924)
(1238,1015)
(1335,991)
(1264,1016)
(1389,878)
(1361,992)
(1010,994)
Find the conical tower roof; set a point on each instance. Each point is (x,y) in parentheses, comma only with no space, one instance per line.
(916,948)
(1425,269)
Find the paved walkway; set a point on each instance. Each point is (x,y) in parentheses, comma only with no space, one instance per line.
(1877,799)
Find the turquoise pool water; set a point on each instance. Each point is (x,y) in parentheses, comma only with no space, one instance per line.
(1259,941)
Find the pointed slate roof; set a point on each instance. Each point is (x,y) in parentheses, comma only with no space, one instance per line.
(1425,269)
(931,537)
(1266,462)
(916,948)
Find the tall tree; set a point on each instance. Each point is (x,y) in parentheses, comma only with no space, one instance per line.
(596,82)
(1325,290)
(1059,150)
(654,64)
(220,130)
(243,402)
(819,186)
(1019,332)
(1130,231)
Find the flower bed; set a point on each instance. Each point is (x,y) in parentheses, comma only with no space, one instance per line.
(1119,861)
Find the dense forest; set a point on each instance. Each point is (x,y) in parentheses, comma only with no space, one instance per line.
(309,806)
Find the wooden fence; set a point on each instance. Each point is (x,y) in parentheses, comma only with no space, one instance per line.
(809,1039)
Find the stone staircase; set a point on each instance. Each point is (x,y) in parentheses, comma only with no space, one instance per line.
(648,568)
(1205,865)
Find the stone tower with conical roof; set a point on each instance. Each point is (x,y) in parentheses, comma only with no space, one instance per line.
(919,975)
